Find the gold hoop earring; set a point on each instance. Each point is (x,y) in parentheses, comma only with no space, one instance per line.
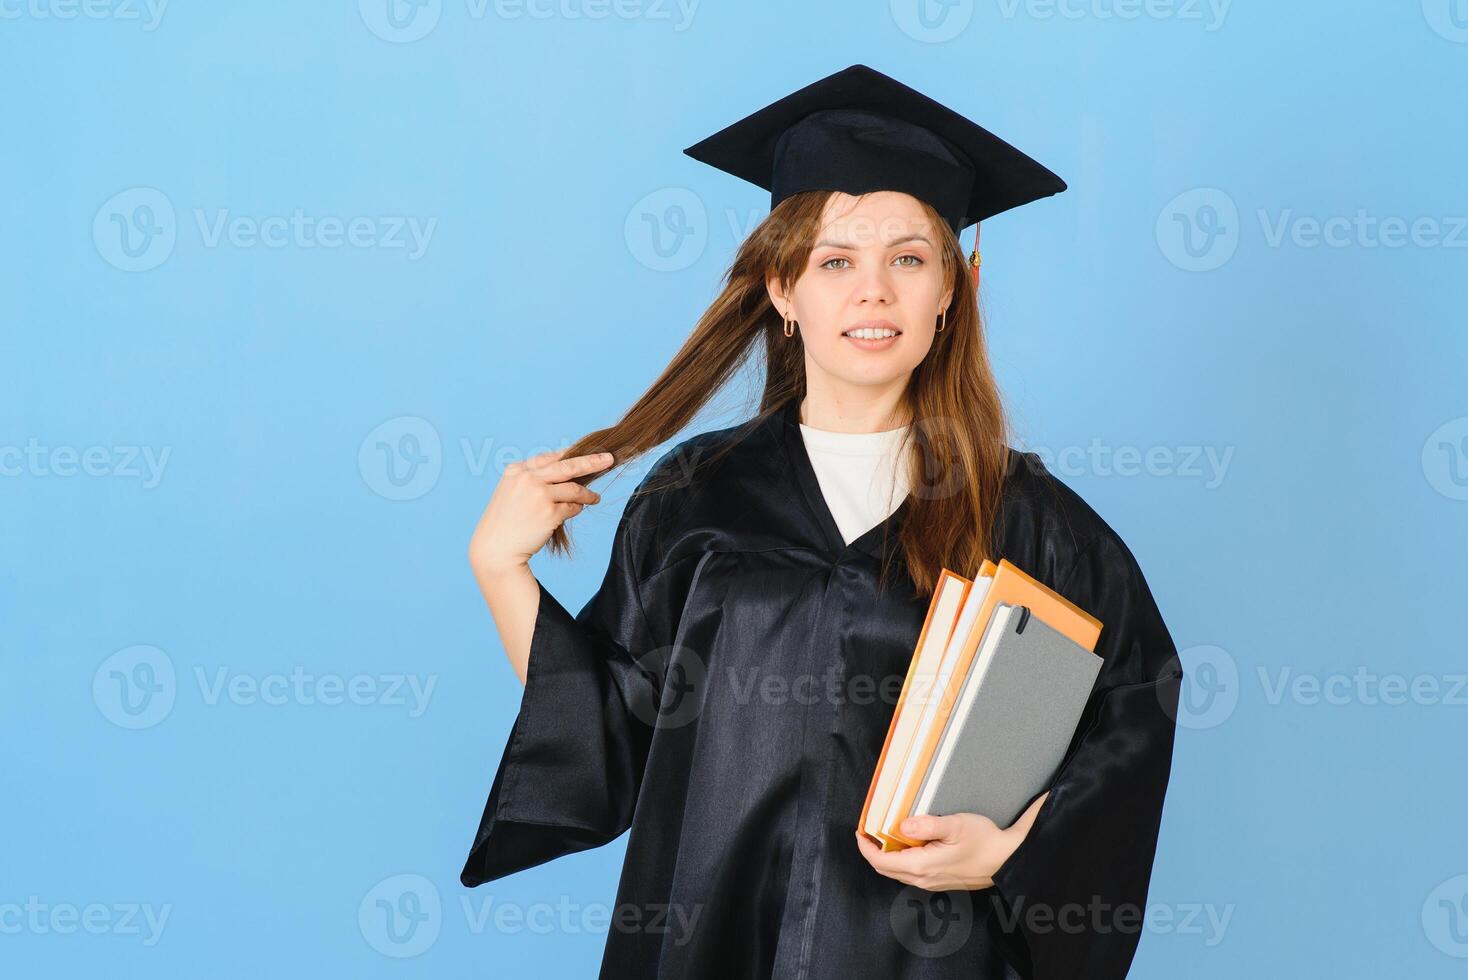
(943,322)
(790,328)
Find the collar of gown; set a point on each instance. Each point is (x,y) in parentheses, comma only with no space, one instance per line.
(871,542)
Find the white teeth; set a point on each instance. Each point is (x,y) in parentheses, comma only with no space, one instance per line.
(871,333)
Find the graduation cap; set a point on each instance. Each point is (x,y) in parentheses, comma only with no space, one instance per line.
(858,131)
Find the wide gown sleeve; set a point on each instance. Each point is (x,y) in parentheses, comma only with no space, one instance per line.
(573,763)
(1074,893)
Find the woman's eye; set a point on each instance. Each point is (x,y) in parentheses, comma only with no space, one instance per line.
(917,260)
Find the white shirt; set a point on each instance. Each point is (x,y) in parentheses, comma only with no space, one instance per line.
(860,474)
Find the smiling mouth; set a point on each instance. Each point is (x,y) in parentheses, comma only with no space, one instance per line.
(872,333)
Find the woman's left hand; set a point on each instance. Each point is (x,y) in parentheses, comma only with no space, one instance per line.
(963,850)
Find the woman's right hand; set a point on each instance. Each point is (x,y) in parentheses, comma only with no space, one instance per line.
(531,500)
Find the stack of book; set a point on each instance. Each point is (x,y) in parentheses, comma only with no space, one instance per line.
(1000,676)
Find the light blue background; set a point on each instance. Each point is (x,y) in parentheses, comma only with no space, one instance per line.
(1330,541)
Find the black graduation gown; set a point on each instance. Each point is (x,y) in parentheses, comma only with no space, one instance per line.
(734,597)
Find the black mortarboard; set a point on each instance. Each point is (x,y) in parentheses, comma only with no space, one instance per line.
(860,130)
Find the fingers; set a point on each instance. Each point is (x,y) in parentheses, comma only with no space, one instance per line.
(907,865)
(556,478)
(929,827)
(555,468)
(565,511)
(572,493)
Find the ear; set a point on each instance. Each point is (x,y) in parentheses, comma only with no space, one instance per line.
(778,297)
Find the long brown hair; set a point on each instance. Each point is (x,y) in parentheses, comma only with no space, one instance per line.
(959,426)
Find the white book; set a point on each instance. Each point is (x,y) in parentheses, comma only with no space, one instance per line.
(930,698)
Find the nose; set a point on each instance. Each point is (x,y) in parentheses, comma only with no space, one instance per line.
(874,288)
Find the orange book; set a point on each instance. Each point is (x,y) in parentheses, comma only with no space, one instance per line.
(1010,585)
(949,596)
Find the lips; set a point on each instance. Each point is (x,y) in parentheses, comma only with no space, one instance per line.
(855,330)
(864,340)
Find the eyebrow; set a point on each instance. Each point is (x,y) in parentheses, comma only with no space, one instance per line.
(914,237)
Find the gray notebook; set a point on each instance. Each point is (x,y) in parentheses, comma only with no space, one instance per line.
(1015,715)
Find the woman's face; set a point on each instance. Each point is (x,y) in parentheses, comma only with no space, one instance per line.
(868,301)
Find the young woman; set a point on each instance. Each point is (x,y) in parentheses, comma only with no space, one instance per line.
(727,691)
